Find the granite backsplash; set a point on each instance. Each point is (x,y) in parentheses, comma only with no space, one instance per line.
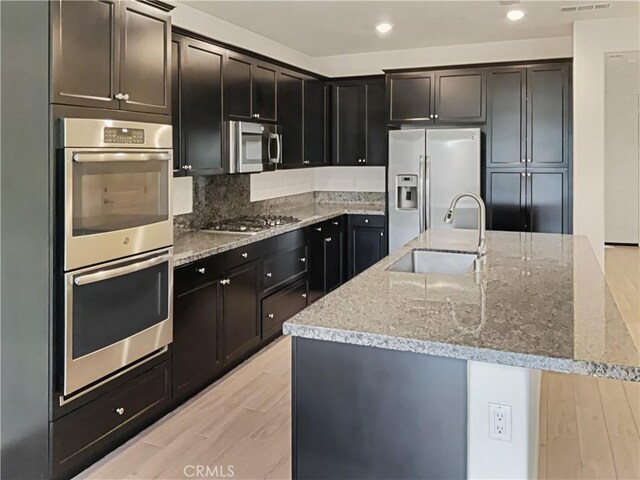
(220,197)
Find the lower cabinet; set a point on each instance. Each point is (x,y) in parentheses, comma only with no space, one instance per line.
(367,242)
(282,305)
(240,322)
(326,253)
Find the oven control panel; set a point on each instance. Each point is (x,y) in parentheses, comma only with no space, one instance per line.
(123,135)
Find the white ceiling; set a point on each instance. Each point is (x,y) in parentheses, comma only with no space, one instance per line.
(321,28)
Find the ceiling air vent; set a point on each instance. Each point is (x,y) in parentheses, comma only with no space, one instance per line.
(586,8)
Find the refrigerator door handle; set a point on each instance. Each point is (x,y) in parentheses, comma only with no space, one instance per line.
(422,197)
(427,191)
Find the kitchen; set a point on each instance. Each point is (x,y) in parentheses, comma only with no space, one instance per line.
(201,181)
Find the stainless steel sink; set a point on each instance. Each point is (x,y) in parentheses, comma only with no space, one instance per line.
(430,261)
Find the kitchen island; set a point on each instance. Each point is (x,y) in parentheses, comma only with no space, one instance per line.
(394,372)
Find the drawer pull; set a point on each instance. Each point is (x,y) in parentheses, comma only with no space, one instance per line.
(318,229)
(328,239)
(382,234)
(120,410)
(270,315)
(304,295)
(225,281)
(303,259)
(366,220)
(244,255)
(335,223)
(201,270)
(268,275)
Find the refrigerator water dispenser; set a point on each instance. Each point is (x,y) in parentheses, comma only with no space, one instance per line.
(407,192)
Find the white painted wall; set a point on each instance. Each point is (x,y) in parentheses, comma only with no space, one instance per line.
(518,388)
(591,40)
(267,185)
(374,62)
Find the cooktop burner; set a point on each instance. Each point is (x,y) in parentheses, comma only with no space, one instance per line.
(252,225)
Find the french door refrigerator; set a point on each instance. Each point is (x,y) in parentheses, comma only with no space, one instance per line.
(427,168)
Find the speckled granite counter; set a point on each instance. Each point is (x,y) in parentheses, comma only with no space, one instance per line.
(541,302)
(195,245)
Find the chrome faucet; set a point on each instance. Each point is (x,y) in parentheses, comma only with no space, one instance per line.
(448,218)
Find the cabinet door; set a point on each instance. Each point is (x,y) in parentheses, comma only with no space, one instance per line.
(84,59)
(201,98)
(315,257)
(348,142)
(237,85)
(506,197)
(548,201)
(264,78)
(196,354)
(145,36)
(548,115)
(411,97)
(176,102)
(506,126)
(368,246)
(240,320)
(376,129)
(291,117)
(460,96)
(333,249)
(315,123)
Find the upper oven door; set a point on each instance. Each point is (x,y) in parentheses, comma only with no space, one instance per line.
(116,314)
(255,147)
(117,203)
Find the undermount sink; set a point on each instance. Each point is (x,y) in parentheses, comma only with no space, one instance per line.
(430,261)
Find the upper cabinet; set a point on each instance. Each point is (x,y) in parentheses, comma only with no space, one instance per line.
(529,118)
(446,97)
(291,117)
(250,88)
(359,123)
(197,106)
(111,54)
(316,116)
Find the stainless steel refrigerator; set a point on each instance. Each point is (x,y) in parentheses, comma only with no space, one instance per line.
(427,168)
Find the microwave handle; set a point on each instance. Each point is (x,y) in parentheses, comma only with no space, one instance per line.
(118,272)
(120,157)
(275,159)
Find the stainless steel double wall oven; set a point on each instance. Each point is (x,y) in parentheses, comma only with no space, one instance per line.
(117,232)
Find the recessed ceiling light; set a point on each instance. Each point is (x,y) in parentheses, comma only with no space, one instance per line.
(384,28)
(515,14)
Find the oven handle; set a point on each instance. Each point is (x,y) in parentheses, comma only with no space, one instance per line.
(118,272)
(120,157)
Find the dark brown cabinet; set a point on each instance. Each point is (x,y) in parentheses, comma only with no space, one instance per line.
(196,349)
(291,117)
(528,201)
(111,54)
(326,254)
(367,242)
(250,88)
(282,305)
(240,320)
(315,122)
(446,97)
(198,109)
(359,123)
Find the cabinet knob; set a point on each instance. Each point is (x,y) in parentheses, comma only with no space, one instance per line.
(328,239)
(303,259)
(304,295)
(522,174)
(318,229)
(335,223)
(528,174)
(225,281)
(528,160)
(522,160)
(270,315)
(268,275)
(244,254)
(366,220)
(201,270)
(186,167)
(256,115)
(120,410)
(436,115)
(364,160)
(431,116)
(306,162)
(119,96)
(382,234)
(126,97)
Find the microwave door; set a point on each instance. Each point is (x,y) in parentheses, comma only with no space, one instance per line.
(251,148)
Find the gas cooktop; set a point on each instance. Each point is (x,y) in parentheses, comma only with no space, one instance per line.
(252,225)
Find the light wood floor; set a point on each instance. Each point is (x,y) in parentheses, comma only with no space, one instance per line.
(589,428)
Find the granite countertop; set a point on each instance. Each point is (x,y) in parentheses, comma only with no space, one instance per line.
(196,245)
(541,302)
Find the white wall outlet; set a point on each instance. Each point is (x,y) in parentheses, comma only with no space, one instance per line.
(500,422)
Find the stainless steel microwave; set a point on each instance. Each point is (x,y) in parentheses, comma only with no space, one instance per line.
(254,147)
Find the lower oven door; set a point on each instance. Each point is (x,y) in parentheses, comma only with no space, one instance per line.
(116,314)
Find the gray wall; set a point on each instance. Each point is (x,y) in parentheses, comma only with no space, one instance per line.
(25,238)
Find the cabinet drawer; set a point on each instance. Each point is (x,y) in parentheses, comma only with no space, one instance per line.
(240,256)
(367,220)
(284,266)
(190,276)
(281,306)
(93,428)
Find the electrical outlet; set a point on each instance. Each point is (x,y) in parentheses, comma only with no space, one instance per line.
(500,422)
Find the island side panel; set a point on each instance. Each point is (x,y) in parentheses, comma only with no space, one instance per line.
(364,412)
